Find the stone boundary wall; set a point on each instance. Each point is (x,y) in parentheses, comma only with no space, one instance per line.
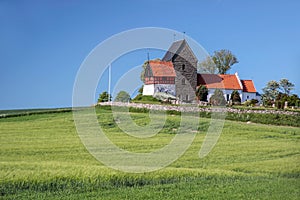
(193,108)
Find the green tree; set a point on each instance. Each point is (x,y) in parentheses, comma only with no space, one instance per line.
(286,86)
(122,96)
(104,97)
(217,99)
(207,66)
(223,60)
(235,97)
(201,93)
(270,92)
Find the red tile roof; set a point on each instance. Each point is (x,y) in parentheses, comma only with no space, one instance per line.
(248,86)
(162,68)
(221,81)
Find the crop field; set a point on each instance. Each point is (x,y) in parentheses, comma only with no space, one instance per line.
(42,157)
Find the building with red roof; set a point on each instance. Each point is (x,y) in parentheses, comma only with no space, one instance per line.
(176,74)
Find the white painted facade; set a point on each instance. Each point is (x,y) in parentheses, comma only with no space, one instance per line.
(248,96)
(151,89)
(148,89)
(226,92)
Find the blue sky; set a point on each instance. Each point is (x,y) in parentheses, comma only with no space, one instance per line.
(43,43)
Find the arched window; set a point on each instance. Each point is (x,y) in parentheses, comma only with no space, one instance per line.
(183,67)
(183,81)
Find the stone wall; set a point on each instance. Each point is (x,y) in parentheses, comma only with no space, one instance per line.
(185,65)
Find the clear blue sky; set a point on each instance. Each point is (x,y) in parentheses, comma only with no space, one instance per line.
(43,43)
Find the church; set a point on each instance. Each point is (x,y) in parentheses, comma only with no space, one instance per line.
(176,74)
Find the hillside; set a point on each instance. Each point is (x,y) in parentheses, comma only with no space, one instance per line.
(43,157)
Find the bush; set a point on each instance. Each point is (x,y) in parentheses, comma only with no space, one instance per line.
(104,97)
(235,97)
(122,96)
(201,93)
(217,99)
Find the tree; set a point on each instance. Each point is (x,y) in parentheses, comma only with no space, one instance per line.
(217,99)
(223,60)
(201,93)
(104,97)
(207,66)
(286,86)
(220,62)
(235,97)
(122,96)
(270,91)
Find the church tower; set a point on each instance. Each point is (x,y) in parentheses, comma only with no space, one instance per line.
(185,65)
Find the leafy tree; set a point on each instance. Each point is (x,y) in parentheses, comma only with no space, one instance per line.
(286,86)
(221,61)
(224,59)
(207,66)
(235,97)
(141,90)
(201,93)
(270,91)
(122,96)
(217,99)
(104,97)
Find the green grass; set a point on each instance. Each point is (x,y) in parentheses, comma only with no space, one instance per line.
(42,157)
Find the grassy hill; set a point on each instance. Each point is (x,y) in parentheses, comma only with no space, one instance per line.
(43,157)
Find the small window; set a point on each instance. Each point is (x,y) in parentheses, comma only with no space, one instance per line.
(187,97)
(247,97)
(227,97)
(183,67)
(183,81)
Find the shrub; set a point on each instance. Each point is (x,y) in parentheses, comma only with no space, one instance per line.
(201,93)
(235,97)
(122,96)
(104,97)
(217,99)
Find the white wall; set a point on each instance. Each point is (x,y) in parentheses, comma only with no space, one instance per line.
(148,89)
(226,92)
(248,96)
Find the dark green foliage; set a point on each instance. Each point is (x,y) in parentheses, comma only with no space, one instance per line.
(141,90)
(122,96)
(201,93)
(235,97)
(104,97)
(253,102)
(145,99)
(217,99)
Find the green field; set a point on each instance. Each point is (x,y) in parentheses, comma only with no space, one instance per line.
(42,157)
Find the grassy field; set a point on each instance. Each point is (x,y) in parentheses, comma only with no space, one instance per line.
(42,157)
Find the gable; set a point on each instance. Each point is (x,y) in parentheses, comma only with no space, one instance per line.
(248,86)
(182,49)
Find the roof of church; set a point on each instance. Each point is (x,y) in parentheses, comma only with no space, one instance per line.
(248,86)
(162,68)
(220,81)
(174,49)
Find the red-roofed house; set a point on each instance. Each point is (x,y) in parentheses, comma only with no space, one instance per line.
(159,77)
(225,82)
